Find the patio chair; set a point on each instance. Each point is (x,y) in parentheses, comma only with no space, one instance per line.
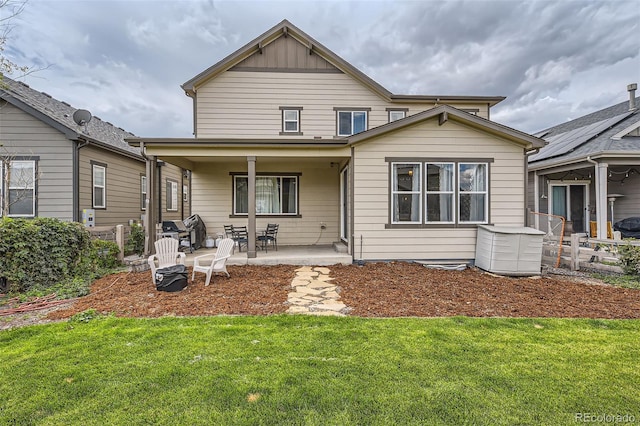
(241,237)
(217,265)
(270,236)
(228,231)
(167,254)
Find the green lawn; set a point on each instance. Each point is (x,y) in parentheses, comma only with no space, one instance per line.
(319,371)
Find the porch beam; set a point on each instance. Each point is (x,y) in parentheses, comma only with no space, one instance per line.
(251,226)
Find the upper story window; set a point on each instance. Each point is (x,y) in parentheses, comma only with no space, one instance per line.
(99,185)
(350,121)
(291,121)
(275,195)
(439,192)
(396,113)
(21,188)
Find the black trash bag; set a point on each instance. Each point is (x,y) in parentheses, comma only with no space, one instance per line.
(629,227)
(171,278)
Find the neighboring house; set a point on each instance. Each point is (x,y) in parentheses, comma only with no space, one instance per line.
(53,167)
(288,132)
(590,168)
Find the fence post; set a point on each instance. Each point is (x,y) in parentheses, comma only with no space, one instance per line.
(120,241)
(575,251)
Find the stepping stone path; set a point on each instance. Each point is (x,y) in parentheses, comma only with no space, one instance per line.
(313,294)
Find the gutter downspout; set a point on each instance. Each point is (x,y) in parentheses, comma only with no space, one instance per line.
(601,197)
(75,179)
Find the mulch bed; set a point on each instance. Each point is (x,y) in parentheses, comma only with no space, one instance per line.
(395,289)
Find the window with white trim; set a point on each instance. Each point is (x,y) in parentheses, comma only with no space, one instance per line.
(143,192)
(440,200)
(275,195)
(21,187)
(99,186)
(454,192)
(406,193)
(172,195)
(290,121)
(473,192)
(351,122)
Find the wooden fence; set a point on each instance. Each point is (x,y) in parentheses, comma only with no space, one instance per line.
(119,234)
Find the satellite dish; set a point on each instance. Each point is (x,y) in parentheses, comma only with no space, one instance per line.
(82,117)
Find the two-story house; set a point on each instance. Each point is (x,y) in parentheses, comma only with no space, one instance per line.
(286,131)
(54,166)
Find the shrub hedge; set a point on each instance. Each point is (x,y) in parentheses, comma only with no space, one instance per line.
(41,253)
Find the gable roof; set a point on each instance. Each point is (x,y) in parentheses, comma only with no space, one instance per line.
(287,29)
(598,133)
(447,112)
(59,115)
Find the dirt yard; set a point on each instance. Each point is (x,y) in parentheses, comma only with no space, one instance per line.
(393,289)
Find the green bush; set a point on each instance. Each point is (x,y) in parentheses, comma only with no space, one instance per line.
(104,254)
(42,254)
(629,258)
(135,243)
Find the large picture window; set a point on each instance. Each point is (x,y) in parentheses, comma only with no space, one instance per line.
(275,195)
(21,188)
(454,192)
(99,186)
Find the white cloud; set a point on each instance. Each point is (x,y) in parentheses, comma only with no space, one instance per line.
(125,60)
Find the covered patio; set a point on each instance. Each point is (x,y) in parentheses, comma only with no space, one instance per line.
(316,255)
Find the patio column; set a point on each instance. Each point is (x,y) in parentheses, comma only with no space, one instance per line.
(601,199)
(151,216)
(251,226)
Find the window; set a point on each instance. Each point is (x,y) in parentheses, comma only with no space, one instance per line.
(350,122)
(99,186)
(472,195)
(406,193)
(143,192)
(172,195)
(440,195)
(275,195)
(291,120)
(396,114)
(454,192)
(21,188)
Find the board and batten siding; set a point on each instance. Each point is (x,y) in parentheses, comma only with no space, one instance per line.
(246,104)
(212,197)
(23,135)
(429,140)
(122,186)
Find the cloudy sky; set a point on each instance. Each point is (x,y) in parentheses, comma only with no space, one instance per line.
(125,60)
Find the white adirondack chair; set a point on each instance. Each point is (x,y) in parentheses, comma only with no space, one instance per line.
(167,254)
(217,264)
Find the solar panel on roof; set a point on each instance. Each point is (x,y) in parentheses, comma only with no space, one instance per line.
(568,141)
